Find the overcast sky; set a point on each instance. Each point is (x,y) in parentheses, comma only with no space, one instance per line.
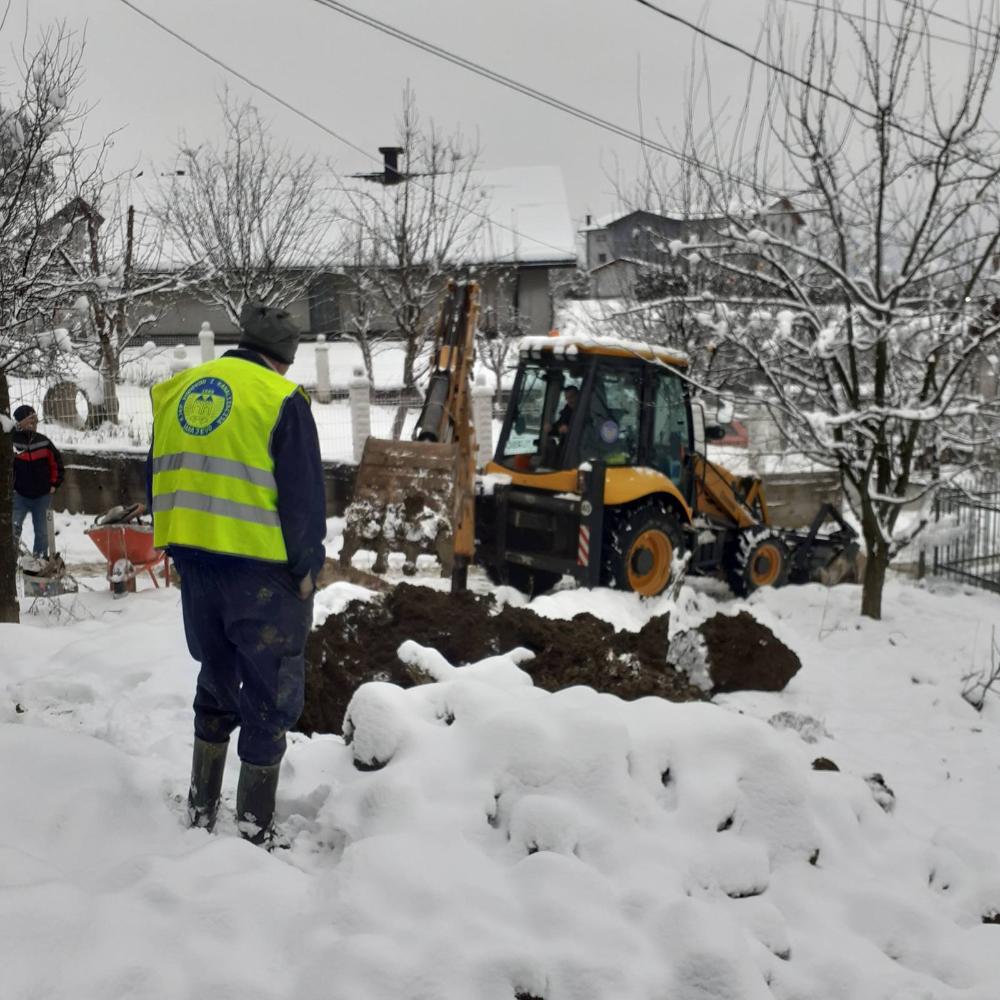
(610,57)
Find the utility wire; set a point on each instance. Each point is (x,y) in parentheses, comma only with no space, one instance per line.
(528,91)
(931,12)
(857,16)
(325,128)
(791,74)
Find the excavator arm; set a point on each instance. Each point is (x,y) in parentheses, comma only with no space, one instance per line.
(418,496)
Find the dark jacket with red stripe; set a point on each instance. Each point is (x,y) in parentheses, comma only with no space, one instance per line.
(38,466)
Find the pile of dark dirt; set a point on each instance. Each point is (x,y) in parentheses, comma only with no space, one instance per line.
(744,655)
(359,645)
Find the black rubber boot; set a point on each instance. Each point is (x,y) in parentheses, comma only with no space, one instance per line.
(255,802)
(208,762)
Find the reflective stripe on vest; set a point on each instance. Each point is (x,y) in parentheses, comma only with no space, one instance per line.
(213,472)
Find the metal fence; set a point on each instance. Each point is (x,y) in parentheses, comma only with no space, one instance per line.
(972,551)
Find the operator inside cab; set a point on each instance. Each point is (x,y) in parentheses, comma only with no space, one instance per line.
(571,395)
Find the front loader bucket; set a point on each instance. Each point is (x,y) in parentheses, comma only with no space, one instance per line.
(405,500)
(823,558)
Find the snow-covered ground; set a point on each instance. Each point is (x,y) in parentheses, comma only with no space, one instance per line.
(569,846)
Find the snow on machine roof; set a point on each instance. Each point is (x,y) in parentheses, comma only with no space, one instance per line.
(607,346)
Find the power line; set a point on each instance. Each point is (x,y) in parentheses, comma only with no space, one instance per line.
(325,128)
(791,74)
(931,12)
(851,15)
(528,91)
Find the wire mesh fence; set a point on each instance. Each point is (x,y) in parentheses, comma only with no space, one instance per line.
(69,415)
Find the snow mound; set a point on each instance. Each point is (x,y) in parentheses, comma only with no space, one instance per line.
(591,847)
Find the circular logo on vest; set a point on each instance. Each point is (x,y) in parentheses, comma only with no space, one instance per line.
(204,406)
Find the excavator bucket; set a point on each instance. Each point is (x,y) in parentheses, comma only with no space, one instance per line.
(416,497)
(404,501)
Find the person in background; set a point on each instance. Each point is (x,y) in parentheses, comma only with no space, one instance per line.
(38,473)
(236,488)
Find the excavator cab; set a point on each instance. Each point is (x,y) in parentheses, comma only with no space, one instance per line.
(623,413)
(600,483)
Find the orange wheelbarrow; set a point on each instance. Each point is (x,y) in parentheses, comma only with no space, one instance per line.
(127,544)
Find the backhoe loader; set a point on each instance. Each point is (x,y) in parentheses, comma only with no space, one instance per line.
(613,489)
(609,485)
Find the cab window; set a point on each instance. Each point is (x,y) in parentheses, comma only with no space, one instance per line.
(528,414)
(670,427)
(610,430)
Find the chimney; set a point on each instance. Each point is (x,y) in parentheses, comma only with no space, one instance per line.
(588,221)
(390,164)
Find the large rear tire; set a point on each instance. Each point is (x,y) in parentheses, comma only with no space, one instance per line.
(640,548)
(758,559)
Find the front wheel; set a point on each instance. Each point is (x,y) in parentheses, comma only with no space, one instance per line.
(640,549)
(759,559)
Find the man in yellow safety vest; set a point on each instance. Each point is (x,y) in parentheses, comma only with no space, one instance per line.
(236,487)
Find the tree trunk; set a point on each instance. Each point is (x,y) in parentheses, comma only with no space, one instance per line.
(9,610)
(876,564)
(409,384)
(366,356)
(399,419)
(109,381)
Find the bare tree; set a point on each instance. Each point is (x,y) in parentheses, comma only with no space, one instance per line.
(412,231)
(249,212)
(867,328)
(117,292)
(501,325)
(42,165)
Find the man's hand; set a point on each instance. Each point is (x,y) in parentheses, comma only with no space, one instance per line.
(306,587)
(52,489)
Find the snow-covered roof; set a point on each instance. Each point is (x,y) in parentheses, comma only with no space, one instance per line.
(634,261)
(529,218)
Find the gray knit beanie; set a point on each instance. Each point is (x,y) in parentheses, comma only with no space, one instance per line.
(269,330)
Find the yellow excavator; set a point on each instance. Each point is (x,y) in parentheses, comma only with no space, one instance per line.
(599,473)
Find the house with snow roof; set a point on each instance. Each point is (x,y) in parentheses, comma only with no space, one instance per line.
(633,255)
(523,247)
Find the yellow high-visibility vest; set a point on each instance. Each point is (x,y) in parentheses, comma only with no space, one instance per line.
(213,472)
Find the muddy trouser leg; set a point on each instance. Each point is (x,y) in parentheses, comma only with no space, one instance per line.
(217,695)
(269,627)
(216,701)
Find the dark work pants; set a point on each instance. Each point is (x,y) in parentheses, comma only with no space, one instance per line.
(247,626)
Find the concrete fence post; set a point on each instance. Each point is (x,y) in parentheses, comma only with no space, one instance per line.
(206,338)
(764,439)
(482,420)
(179,359)
(323,369)
(359,392)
